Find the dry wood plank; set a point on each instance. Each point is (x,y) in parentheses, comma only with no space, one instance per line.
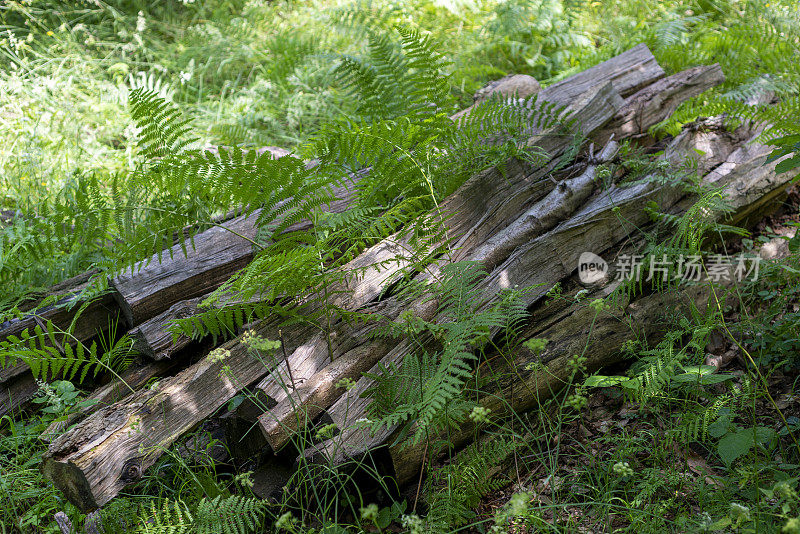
(152,337)
(97,316)
(112,447)
(523,385)
(629,72)
(151,287)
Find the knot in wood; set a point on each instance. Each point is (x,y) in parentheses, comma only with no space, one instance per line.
(131,470)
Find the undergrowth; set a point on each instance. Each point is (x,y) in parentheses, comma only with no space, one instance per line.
(107,110)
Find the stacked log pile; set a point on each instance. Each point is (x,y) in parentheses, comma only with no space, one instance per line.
(525,225)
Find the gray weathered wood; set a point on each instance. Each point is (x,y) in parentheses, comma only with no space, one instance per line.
(465,216)
(129,381)
(17,392)
(152,286)
(311,399)
(321,390)
(657,101)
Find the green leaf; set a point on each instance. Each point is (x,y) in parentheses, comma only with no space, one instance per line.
(788,164)
(735,445)
(720,427)
(794,243)
(600,381)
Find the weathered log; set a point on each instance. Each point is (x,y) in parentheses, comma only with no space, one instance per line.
(63,522)
(361,289)
(112,447)
(129,381)
(96,316)
(629,72)
(73,460)
(150,287)
(153,339)
(532,379)
(17,392)
(652,104)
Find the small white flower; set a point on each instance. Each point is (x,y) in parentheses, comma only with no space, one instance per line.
(141,22)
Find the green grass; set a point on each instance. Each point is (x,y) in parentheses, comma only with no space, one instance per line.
(256,73)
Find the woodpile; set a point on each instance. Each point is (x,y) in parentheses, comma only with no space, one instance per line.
(526,226)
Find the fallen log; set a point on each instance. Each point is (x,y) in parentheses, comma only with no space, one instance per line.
(628,72)
(17,392)
(134,377)
(73,460)
(63,306)
(60,306)
(654,103)
(151,287)
(312,355)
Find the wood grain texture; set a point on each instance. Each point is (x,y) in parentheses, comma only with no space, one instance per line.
(112,447)
(130,380)
(153,339)
(152,286)
(17,392)
(98,316)
(321,390)
(657,101)
(628,72)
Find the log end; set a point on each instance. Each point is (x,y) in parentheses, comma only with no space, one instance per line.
(68,478)
(122,302)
